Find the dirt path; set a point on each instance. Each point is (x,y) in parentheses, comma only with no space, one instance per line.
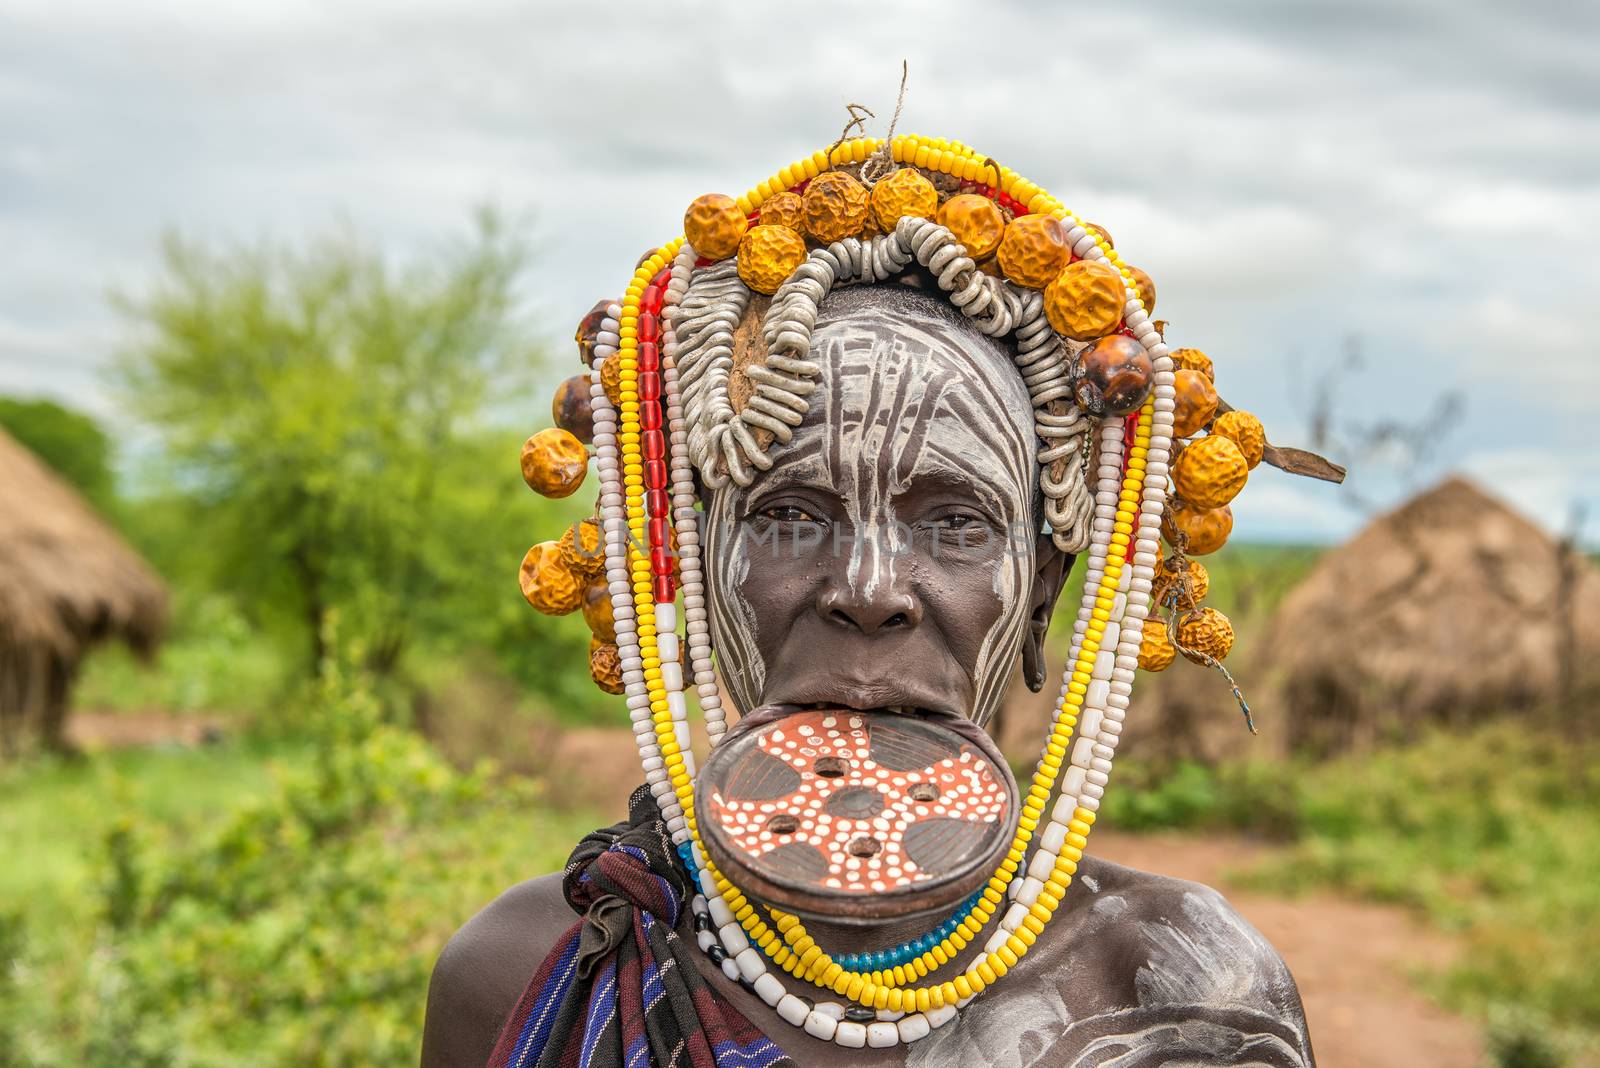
(1350,959)
(116,730)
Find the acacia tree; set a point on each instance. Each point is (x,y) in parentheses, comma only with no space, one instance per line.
(318,406)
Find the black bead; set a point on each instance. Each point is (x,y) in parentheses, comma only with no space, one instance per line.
(702,921)
(860,1014)
(811,1003)
(747,984)
(717,953)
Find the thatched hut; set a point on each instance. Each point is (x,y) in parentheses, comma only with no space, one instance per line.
(67,582)
(1448,608)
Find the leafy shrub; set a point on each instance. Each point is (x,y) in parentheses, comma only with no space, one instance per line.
(301,927)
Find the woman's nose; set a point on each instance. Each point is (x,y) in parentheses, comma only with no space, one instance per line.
(869,611)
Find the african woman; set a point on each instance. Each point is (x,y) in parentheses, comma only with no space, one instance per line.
(853,432)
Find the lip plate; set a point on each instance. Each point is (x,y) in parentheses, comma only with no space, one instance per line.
(886,753)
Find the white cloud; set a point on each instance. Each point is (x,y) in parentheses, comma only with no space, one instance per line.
(1290,174)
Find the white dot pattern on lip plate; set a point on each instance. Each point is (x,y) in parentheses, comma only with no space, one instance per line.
(967,792)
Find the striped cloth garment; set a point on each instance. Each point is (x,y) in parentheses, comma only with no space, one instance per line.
(620,990)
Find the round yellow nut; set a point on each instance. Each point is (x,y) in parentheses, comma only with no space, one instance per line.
(713,225)
(1195,402)
(547,583)
(904,193)
(1196,531)
(1156,651)
(1033,250)
(581,551)
(768,255)
(605,665)
(611,378)
(1210,472)
(1181,588)
(1205,632)
(554,463)
(1193,360)
(785,209)
(597,611)
(975,221)
(1245,431)
(836,207)
(1085,300)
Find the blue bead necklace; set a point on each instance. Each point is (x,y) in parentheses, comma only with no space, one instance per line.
(907,951)
(878,960)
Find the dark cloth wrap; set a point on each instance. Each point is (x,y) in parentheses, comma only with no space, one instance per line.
(620,988)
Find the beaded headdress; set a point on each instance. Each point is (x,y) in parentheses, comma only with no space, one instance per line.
(703,368)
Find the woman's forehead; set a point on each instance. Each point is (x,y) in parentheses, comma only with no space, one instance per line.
(903,392)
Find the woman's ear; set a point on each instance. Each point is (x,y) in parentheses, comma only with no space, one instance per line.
(1051,568)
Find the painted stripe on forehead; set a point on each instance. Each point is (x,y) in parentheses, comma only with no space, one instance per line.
(887,392)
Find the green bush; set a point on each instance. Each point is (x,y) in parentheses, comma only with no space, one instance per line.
(69,441)
(299,928)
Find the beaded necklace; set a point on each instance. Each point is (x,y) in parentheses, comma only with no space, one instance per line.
(651,431)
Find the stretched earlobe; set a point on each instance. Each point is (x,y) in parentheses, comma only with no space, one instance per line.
(1052,566)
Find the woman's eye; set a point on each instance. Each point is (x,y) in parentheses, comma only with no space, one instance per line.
(788,513)
(956,521)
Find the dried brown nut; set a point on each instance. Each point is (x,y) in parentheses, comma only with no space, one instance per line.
(597,612)
(588,331)
(836,207)
(1180,587)
(1033,250)
(605,666)
(1196,531)
(581,551)
(1205,631)
(784,209)
(1210,472)
(611,379)
(975,221)
(571,408)
(905,192)
(1196,402)
(1146,288)
(1086,300)
(768,255)
(1156,651)
(1117,375)
(554,463)
(547,583)
(1194,360)
(1245,431)
(713,225)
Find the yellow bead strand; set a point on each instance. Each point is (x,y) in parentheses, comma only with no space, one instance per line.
(790,947)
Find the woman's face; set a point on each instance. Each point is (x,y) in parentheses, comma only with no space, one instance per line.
(887,557)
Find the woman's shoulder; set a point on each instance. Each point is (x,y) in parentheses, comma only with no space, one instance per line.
(1181,958)
(484,968)
(1139,969)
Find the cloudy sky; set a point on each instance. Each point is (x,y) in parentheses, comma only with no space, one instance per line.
(1419,179)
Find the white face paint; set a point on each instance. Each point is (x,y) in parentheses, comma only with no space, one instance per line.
(920,429)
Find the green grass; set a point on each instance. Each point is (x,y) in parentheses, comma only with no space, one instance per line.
(1492,835)
(56,813)
(247,904)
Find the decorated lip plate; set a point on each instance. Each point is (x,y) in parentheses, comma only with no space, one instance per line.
(856,815)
